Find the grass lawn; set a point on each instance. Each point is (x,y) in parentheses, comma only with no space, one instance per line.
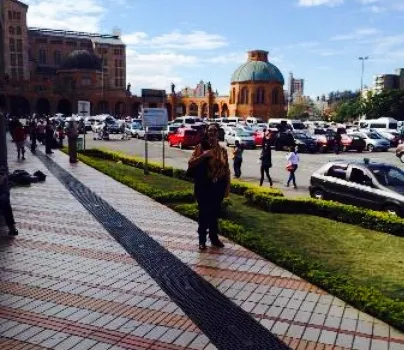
(157,181)
(371,258)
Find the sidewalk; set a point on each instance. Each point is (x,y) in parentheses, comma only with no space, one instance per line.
(66,282)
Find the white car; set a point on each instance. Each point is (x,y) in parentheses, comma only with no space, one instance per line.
(246,138)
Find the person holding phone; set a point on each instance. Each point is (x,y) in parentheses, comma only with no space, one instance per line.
(212,184)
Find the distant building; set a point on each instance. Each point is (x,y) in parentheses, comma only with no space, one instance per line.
(386,82)
(295,88)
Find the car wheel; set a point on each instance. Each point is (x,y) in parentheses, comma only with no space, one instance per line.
(402,157)
(227,143)
(317,194)
(360,150)
(170,144)
(393,210)
(370,148)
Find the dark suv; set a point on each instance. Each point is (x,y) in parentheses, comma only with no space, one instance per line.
(376,186)
(303,141)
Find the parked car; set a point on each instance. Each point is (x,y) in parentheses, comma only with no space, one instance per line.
(134,129)
(289,139)
(400,152)
(154,133)
(392,136)
(325,140)
(184,137)
(374,142)
(246,138)
(376,186)
(171,129)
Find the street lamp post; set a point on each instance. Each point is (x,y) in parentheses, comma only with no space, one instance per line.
(363,59)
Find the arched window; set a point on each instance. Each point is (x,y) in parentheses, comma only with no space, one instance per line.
(57,58)
(234,95)
(260,96)
(42,57)
(11,30)
(244,96)
(18,31)
(275,97)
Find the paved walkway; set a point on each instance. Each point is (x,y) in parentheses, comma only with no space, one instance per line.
(66,282)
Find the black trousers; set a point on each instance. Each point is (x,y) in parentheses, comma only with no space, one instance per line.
(237,166)
(6,210)
(209,198)
(265,171)
(33,142)
(48,145)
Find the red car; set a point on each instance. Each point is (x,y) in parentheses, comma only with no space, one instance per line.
(259,136)
(184,137)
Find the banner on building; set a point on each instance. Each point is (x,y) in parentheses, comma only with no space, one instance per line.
(84,108)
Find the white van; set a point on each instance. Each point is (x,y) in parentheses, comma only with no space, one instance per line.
(292,124)
(234,120)
(380,124)
(253,120)
(187,120)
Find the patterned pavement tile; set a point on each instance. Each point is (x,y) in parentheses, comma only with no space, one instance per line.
(67,284)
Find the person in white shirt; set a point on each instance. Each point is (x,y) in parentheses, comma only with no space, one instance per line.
(292,165)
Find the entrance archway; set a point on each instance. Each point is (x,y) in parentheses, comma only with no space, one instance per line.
(135,109)
(102,107)
(182,109)
(225,111)
(169,111)
(216,110)
(42,106)
(3,103)
(204,111)
(193,109)
(64,107)
(119,108)
(19,106)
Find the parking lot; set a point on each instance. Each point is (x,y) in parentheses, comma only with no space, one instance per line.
(250,168)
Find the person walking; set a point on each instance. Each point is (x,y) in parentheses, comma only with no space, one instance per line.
(49,136)
(237,158)
(5,204)
(293,160)
(33,135)
(40,132)
(210,165)
(266,158)
(72,135)
(338,142)
(19,139)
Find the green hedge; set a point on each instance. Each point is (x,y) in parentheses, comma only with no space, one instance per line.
(369,219)
(366,299)
(158,195)
(236,187)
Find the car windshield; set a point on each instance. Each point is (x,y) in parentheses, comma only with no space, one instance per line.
(136,125)
(301,136)
(393,126)
(298,126)
(243,133)
(388,175)
(373,136)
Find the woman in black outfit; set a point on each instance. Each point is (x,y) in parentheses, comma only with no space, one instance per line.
(210,167)
(266,158)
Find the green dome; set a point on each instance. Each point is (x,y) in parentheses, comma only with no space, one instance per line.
(257,71)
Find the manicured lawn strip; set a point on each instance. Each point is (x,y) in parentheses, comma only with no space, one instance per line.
(272,199)
(343,259)
(158,187)
(313,266)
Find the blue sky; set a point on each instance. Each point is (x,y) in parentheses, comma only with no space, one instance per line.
(187,41)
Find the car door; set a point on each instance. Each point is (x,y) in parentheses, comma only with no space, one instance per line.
(361,191)
(334,183)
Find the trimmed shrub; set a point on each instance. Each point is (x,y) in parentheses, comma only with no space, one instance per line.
(349,214)
(240,187)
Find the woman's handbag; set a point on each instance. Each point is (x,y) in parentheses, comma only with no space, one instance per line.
(289,167)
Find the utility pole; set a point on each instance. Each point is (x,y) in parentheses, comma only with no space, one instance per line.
(363,59)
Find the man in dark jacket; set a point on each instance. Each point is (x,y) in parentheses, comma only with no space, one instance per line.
(266,157)
(5,205)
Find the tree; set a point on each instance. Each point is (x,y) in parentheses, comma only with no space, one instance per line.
(297,110)
(386,104)
(348,110)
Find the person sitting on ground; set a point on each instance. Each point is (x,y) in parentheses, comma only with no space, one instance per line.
(5,205)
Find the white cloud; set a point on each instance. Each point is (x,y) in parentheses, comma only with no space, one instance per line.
(156,70)
(358,34)
(310,3)
(232,57)
(65,14)
(195,40)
